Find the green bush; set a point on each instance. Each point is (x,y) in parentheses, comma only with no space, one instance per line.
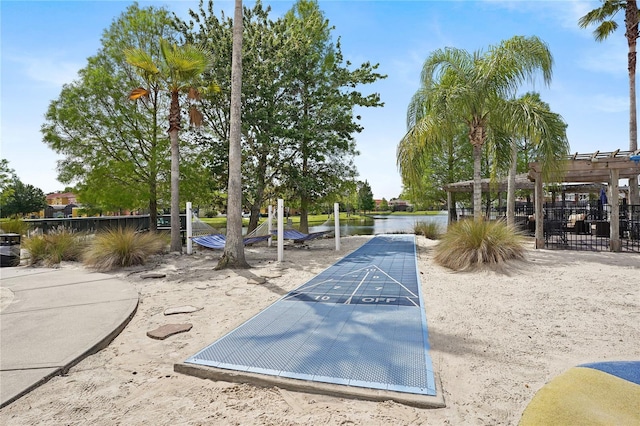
(37,248)
(430,230)
(470,244)
(57,246)
(14,226)
(123,247)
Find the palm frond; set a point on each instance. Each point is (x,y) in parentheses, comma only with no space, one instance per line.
(195,116)
(532,119)
(184,63)
(606,12)
(604,16)
(142,61)
(138,93)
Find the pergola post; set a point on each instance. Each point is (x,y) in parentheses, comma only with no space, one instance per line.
(614,241)
(539,215)
(450,206)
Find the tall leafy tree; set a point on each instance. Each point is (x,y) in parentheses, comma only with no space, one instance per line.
(262,100)
(177,70)
(115,150)
(320,88)
(21,199)
(365,197)
(7,176)
(460,87)
(604,16)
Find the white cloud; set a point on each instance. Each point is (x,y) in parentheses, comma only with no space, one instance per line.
(572,11)
(566,13)
(51,71)
(608,103)
(609,56)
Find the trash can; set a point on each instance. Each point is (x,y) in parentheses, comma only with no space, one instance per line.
(9,250)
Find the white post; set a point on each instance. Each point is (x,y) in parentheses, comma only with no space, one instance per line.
(280,229)
(336,215)
(189,229)
(269,226)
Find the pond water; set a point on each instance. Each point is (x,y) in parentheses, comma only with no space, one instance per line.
(383,224)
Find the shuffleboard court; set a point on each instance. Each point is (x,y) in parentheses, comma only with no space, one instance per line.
(359,323)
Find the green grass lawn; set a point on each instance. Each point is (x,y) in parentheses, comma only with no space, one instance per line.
(314,220)
(416,213)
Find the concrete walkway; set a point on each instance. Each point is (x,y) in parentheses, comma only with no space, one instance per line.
(50,319)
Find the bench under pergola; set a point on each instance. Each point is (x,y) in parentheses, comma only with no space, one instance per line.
(598,167)
(584,173)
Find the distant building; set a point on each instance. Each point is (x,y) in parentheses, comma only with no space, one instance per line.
(398,205)
(60,204)
(61,199)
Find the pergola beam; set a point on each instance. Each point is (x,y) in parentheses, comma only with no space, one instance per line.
(597,167)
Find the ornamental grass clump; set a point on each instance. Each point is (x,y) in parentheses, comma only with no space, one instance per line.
(59,245)
(14,226)
(470,244)
(122,247)
(431,230)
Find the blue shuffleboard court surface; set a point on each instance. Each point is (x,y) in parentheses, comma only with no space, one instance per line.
(359,323)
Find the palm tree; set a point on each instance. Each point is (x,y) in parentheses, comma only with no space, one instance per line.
(178,71)
(546,135)
(414,155)
(604,16)
(459,87)
(233,255)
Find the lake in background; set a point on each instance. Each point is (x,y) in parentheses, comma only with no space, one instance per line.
(383,224)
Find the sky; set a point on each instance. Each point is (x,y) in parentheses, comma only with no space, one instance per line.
(45,43)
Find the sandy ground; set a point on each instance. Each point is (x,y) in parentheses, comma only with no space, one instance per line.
(496,339)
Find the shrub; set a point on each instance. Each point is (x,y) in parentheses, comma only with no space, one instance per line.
(56,246)
(123,247)
(430,230)
(37,248)
(470,244)
(14,226)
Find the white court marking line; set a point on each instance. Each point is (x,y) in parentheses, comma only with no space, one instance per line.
(302,290)
(354,291)
(411,300)
(396,281)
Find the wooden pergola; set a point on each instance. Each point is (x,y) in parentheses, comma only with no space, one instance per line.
(522,182)
(598,167)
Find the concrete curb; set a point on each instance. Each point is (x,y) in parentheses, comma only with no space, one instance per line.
(339,391)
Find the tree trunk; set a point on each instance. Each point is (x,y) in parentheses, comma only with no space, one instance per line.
(174,127)
(477,182)
(261,172)
(631,21)
(511,185)
(153,205)
(233,256)
(255,208)
(477,136)
(304,215)
(153,170)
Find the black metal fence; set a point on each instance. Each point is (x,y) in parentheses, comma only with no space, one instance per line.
(588,227)
(575,227)
(94,224)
